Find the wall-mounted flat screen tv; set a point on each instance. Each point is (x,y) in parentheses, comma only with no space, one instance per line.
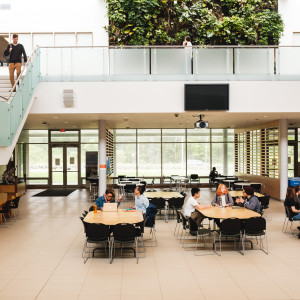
(206,97)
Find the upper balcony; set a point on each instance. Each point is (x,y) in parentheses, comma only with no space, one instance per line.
(143,63)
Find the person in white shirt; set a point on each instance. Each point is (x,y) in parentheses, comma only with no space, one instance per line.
(191,207)
(222,194)
(187,42)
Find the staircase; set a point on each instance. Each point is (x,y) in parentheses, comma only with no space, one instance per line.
(5,87)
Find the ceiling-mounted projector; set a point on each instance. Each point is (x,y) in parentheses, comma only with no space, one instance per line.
(200,123)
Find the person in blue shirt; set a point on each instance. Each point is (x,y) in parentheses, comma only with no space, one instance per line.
(108,197)
(141,201)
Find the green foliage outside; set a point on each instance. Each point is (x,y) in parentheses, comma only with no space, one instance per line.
(208,22)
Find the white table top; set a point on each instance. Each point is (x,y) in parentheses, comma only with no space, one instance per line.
(179,178)
(229,180)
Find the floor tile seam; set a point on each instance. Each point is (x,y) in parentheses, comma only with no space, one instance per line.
(60,261)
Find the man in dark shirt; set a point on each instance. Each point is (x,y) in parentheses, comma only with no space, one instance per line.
(15,50)
(249,200)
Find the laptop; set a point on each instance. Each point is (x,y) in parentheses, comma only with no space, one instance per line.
(110,206)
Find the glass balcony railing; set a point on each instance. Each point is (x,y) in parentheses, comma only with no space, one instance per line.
(170,63)
(14,108)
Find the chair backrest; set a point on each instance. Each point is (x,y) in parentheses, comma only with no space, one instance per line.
(95,231)
(194,176)
(16,202)
(183,194)
(264,201)
(158,202)
(176,202)
(288,212)
(183,220)
(124,232)
(129,188)
(6,207)
(230,226)
(177,215)
(91,208)
(151,190)
(256,187)
(256,224)
(192,224)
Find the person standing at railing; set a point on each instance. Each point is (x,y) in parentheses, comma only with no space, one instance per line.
(187,42)
(15,51)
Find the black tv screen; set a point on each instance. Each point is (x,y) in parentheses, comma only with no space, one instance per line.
(206,97)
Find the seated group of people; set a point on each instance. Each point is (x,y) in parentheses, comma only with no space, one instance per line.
(222,198)
(141,202)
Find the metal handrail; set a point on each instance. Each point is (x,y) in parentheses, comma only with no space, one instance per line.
(174,46)
(20,76)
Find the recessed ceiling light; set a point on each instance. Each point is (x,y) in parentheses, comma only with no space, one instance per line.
(55,117)
(265,116)
(74,126)
(66,122)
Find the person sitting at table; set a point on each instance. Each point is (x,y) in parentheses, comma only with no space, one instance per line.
(297,192)
(141,201)
(213,174)
(108,197)
(189,208)
(292,204)
(222,194)
(249,200)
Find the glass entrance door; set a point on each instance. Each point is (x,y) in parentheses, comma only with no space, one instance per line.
(64,165)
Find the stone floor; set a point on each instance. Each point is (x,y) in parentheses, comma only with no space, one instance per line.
(40,258)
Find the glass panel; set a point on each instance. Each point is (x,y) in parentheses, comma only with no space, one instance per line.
(84,39)
(174,159)
(37,156)
(16,114)
(72,166)
(25,40)
(33,136)
(223,158)
(291,155)
(217,135)
(125,159)
(291,134)
(171,61)
(57,166)
(254,61)
(198,157)
(288,61)
(149,160)
(66,136)
(37,181)
(64,39)
(20,161)
(4,124)
(89,135)
(125,135)
(213,61)
(42,39)
(196,135)
(173,135)
(149,135)
(87,148)
(129,61)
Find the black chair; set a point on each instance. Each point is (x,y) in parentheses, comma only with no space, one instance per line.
(153,239)
(124,234)
(151,190)
(15,205)
(121,178)
(91,208)
(194,178)
(6,207)
(183,194)
(129,188)
(256,187)
(255,227)
(178,221)
(264,203)
(84,213)
(95,234)
(288,218)
(194,230)
(159,203)
(175,203)
(229,229)
(185,226)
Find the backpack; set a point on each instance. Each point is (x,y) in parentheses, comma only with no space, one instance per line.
(7,57)
(151,211)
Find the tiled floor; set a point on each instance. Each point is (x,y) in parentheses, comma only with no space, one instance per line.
(40,258)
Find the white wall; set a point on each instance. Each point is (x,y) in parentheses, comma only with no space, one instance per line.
(289,10)
(56,16)
(161,97)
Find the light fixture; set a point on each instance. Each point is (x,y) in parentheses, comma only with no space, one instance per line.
(44,123)
(200,123)
(66,122)
(55,117)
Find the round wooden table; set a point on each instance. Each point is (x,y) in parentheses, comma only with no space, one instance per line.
(228,212)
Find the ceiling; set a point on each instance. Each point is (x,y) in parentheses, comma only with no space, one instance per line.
(163,120)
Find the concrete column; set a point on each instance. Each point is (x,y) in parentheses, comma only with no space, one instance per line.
(283,158)
(102,157)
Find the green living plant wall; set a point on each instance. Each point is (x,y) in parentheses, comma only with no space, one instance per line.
(207,22)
